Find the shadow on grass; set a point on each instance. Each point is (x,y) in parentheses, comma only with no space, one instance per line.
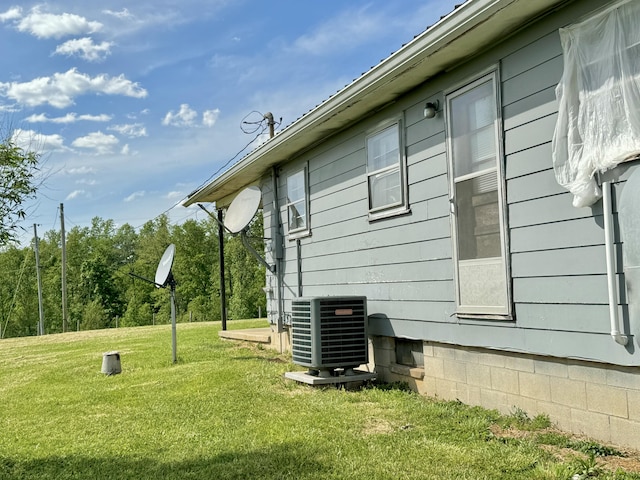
(286,461)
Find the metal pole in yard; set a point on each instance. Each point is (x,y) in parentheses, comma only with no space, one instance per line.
(40,308)
(64,270)
(223,293)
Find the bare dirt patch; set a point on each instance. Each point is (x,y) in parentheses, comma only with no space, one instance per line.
(628,459)
(378,426)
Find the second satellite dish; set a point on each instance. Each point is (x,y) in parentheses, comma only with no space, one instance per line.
(163,272)
(242,209)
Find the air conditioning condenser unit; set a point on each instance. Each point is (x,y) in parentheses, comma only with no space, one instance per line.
(329,333)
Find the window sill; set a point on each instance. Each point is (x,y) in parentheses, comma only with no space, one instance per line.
(407,371)
(396,212)
(487,317)
(297,235)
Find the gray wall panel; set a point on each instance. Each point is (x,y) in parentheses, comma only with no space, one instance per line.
(530,108)
(579,289)
(554,263)
(531,55)
(537,185)
(585,318)
(532,81)
(555,208)
(531,160)
(529,135)
(436,291)
(573,233)
(395,273)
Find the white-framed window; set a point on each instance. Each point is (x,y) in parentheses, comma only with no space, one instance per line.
(477,199)
(298,202)
(386,180)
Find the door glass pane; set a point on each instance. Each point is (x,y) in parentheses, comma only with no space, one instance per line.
(478,217)
(473,116)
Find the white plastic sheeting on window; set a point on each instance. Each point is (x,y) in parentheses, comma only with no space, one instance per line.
(599,99)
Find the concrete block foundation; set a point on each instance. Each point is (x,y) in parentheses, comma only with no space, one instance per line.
(598,400)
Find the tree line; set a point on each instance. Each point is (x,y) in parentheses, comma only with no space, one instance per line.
(101,293)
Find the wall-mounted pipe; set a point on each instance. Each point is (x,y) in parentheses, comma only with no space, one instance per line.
(277,250)
(607,211)
(299,262)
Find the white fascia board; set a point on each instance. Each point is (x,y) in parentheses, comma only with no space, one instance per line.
(468,29)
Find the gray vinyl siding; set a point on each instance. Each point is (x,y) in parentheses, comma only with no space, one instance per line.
(404,264)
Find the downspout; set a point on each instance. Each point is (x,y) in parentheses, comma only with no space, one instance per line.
(299,262)
(277,251)
(607,212)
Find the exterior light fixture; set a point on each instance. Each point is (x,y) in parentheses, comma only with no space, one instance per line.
(431,109)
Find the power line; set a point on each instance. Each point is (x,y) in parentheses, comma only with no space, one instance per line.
(213,175)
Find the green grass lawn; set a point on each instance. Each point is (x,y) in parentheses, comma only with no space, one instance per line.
(224,411)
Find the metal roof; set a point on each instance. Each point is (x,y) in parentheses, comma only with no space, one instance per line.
(470,28)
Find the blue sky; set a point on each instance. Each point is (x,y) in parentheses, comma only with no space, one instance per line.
(133,105)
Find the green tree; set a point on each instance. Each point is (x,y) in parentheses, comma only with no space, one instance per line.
(17,174)
(18,295)
(247,275)
(195,269)
(153,240)
(100,289)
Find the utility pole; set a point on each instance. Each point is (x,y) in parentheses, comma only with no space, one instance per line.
(64,270)
(40,309)
(271,123)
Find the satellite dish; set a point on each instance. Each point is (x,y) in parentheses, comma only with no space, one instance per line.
(242,210)
(163,272)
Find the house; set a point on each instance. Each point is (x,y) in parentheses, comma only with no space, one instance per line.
(477,186)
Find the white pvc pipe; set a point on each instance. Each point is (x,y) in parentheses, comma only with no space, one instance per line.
(607,212)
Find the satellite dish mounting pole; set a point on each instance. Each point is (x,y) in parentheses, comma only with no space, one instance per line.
(174,342)
(40,308)
(164,278)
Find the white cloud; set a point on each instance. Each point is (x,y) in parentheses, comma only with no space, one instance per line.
(124,13)
(81,170)
(61,89)
(102,144)
(131,130)
(85,49)
(174,195)
(209,117)
(184,118)
(13,13)
(75,194)
(68,118)
(33,141)
(125,150)
(135,195)
(86,181)
(48,25)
